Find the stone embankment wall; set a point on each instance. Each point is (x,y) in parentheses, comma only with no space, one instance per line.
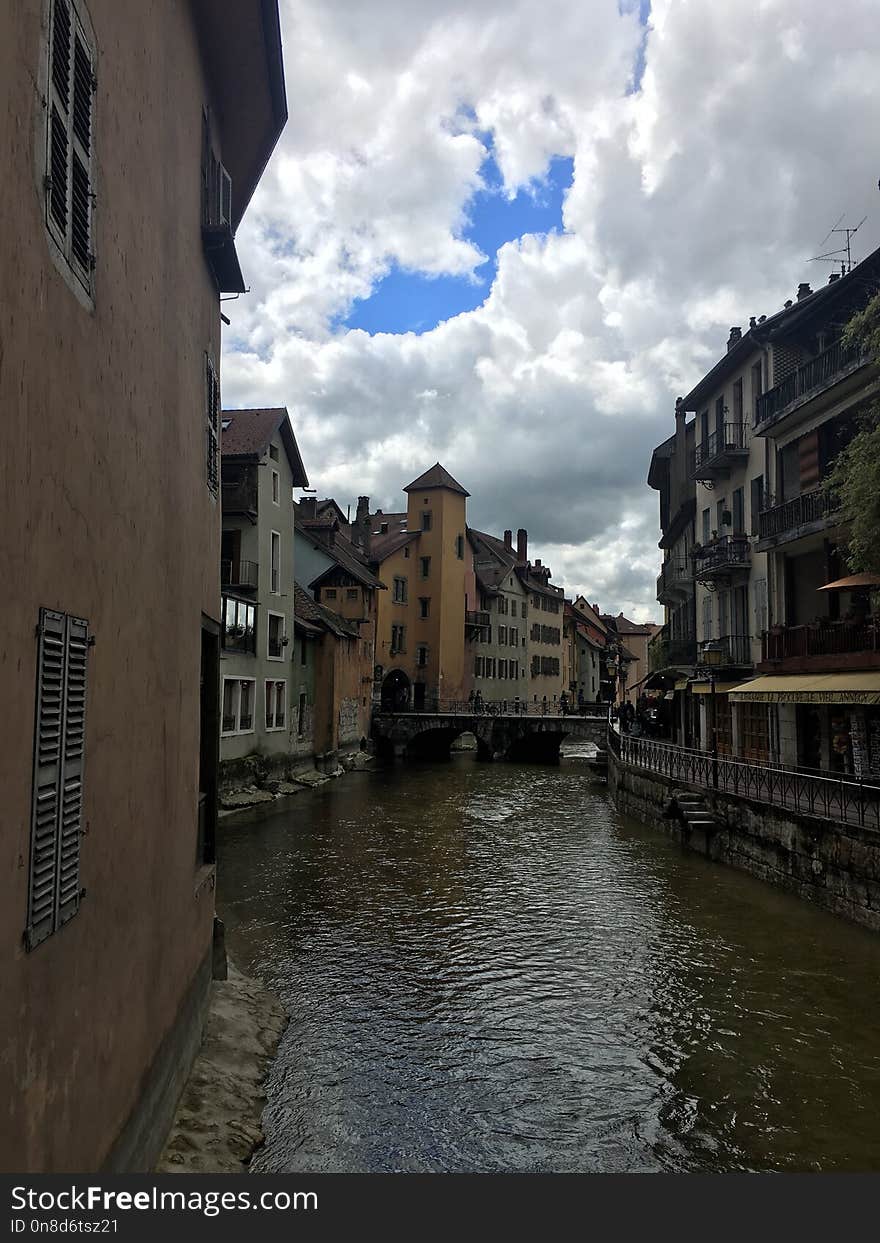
(834,865)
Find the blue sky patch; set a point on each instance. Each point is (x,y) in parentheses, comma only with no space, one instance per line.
(407,301)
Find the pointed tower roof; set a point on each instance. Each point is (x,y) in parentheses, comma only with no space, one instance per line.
(437,477)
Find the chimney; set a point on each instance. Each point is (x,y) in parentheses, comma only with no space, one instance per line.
(735,335)
(804,290)
(508,540)
(788,304)
(835,276)
(522,546)
(752,322)
(363,508)
(538,564)
(308,507)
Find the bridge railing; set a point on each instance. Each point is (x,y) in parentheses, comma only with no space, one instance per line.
(506,707)
(841,797)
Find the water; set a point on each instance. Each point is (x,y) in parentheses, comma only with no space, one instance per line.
(488,969)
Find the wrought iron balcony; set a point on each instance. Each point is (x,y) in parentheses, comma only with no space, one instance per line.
(676,577)
(239,574)
(727,445)
(670,652)
(723,557)
(730,650)
(803,515)
(810,379)
(823,645)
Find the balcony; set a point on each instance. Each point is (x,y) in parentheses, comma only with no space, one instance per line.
(714,458)
(675,581)
(824,646)
(803,515)
(820,373)
(669,652)
(238,490)
(242,575)
(475,625)
(731,651)
(724,557)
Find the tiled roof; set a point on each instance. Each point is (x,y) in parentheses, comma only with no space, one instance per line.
(342,551)
(246,433)
(493,561)
(382,546)
(305,609)
(436,477)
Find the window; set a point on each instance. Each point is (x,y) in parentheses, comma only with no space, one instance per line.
(351,593)
(399,591)
(513,669)
(478,666)
(502,636)
(719,419)
(738,401)
(276,488)
(273,452)
(536,633)
(276,705)
(239,633)
(276,640)
(421,656)
(489,667)
(238,706)
(524,612)
(459,547)
(406,552)
(425,566)
(301,714)
(212,435)
(720,507)
(513,608)
(739,517)
(513,636)
(502,668)
(424,606)
(427,519)
(56,800)
(328,593)
(756,502)
(707,617)
(68,181)
(275,565)
(398,639)
(303,652)
(707,525)
(757,384)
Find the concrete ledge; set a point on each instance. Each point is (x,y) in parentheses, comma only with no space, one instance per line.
(138,1145)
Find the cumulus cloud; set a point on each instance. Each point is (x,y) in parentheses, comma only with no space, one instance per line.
(696,201)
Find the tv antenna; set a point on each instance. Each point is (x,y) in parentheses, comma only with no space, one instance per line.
(831,256)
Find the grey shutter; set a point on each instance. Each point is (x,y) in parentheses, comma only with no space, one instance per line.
(70,822)
(212,428)
(47,777)
(56,818)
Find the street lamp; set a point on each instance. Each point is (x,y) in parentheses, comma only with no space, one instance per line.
(711,656)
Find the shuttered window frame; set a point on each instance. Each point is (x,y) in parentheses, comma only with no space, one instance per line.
(59,751)
(70,127)
(212,425)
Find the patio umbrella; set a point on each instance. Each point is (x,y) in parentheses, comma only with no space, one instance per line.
(852,583)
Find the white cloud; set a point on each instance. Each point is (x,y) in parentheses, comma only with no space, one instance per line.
(695,203)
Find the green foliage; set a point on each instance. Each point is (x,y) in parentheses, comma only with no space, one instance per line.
(855,477)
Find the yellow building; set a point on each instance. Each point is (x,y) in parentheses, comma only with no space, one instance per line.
(421,557)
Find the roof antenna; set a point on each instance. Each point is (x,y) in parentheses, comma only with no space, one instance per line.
(830,256)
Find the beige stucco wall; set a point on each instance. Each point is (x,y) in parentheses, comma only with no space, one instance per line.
(105,514)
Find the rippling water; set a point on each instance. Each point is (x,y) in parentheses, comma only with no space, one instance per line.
(488,969)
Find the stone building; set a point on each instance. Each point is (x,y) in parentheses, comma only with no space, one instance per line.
(545,605)
(127,168)
(261,466)
(496,621)
(584,648)
(421,557)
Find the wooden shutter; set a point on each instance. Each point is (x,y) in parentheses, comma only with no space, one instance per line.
(81,188)
(69,181)
(59,744)
(212,424)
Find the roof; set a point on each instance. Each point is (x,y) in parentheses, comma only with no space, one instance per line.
(328,505)
(318,616)
(625,626)
(436,477)
(382,546)
(493,560)
(537,585)
(246,434)
(339,548)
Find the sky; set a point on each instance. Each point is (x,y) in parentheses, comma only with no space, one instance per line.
(507,235)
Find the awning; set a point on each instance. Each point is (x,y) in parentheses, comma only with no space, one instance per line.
(821,688)
(681,684)
(705,688)
(853,582)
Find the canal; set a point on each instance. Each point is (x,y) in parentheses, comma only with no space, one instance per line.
(487,968)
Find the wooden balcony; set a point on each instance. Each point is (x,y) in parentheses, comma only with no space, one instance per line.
(825,646)
(802,515)
(723,558)
(238,490)
(726,446)
(810,379)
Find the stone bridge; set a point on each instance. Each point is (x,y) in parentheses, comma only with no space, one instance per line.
(429,735)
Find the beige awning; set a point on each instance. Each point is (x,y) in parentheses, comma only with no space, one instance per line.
(705,688)
(681,684)
(820,688)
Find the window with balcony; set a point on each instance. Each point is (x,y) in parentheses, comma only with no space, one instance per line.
(238,706)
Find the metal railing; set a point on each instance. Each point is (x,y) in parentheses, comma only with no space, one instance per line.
(506,707)
(672,652)
(837,797)
(730,649)
(810,378)
(825,638)
(675,575)
(239,573)
(730,438)
(791,515)
(728,552)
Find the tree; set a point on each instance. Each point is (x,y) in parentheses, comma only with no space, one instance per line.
(855,476)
